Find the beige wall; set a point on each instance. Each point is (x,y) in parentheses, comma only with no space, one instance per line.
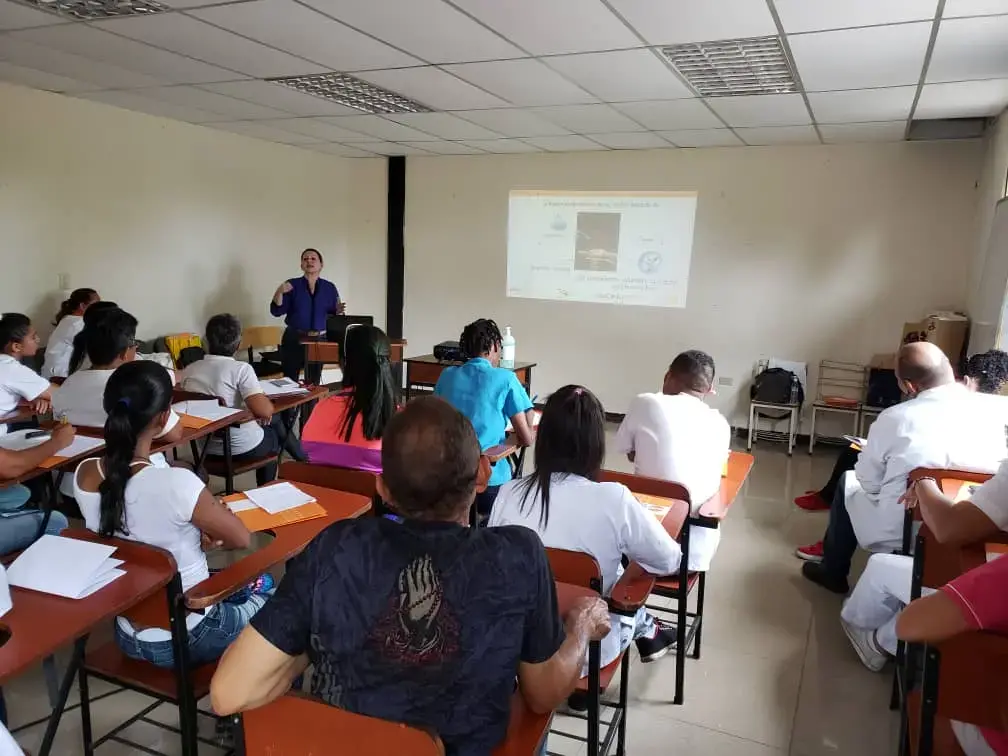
(799,252)
(175,222)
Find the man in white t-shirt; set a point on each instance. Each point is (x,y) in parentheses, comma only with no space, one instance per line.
(869,616)
(235,382)
(675,436)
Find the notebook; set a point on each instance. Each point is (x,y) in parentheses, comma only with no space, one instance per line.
(282,387)
(65,567)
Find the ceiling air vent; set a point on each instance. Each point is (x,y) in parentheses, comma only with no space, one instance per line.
(89,10)
(730,67)
(352,92)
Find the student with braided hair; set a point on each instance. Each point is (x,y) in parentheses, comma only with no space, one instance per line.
(489,396)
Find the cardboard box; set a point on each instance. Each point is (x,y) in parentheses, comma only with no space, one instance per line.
(947,331)
(883,361)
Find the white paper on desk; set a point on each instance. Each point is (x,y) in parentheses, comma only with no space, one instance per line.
(18,440)
(65,567)
(241,505)
(205,409)
(279,497)
(81,445)
(536,417)
(857,440)
(282,387)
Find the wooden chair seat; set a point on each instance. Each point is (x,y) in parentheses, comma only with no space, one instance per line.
(670,585)
(217,466)
(606,675)
(108,662)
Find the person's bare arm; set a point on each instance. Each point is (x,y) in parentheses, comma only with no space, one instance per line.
(252,673)
(953,524)
(16,463)
(931,619)
(523,429)
(260,405)
(220,523)
(546,686)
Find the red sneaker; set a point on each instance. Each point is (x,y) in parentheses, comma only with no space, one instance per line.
(811,553)
(811,502)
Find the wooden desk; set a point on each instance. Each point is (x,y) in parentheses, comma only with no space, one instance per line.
(21,414)
(40,624)
(740,464)
(328,352)
(423,373)
(70,463)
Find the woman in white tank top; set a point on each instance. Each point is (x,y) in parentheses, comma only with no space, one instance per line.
(122,494)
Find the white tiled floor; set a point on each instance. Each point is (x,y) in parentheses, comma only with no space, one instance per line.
(777,675)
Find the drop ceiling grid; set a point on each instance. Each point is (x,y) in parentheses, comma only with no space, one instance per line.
(210,45)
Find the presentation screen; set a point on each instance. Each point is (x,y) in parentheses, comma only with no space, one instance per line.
(630,248)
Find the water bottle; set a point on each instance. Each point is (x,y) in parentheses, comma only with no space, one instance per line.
(507,348)
(795,385)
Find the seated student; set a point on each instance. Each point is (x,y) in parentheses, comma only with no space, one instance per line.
(985,373)
(124,494)
(973,601)
(943,425)
(19,525)
(418,618)
(69,322)
(19,340)
(563,503)
(220,374)
(869,616)
(489,396)
(78,352)
(675,436)
(345,430)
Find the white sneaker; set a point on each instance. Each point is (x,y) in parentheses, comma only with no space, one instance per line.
(868,649)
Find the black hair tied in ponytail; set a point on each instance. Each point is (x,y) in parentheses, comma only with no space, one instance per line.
(136,393)
(71,304)
(92,316)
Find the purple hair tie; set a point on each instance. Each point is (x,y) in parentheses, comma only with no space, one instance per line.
(125,401)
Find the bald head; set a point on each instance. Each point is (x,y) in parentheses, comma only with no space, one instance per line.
(923,366)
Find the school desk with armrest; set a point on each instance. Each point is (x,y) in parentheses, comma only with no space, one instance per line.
(319,354)
(262,338)
(291,407)
(347,479)
(423,372)
(185,684)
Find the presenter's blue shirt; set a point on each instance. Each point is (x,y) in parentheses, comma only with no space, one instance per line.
(306,311)
(489,397)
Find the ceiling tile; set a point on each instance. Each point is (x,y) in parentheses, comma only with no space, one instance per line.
(445,148)
(803,16)
(17,16)
(513,122)
(315,127)
(433,88)
(761,110)
(954,8)
(970,48)
(501,146)
(571,143)
(670,21)
(96,44)
(262,130)
(104,76)
(558,26)
(372,127)
(280,97)
(522,82)
(391,148)
(444,125)
(133,101)
(191,97)
(429,29)
(30,77)
(671,114)
(190,36)
(584,119)
(342,150)
(779,135)
(857,105)
(622,76)
(639,140)
(963,99)
(702,138)
(887,56)
(863,132)
(289,26)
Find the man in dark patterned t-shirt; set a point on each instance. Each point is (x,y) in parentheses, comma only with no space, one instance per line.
(418,619)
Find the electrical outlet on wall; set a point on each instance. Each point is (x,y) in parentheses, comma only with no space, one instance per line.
(725,381)
(63,281)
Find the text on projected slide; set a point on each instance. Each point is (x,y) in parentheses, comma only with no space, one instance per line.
(629,248)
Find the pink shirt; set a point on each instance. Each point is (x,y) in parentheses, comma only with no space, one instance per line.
(324,443)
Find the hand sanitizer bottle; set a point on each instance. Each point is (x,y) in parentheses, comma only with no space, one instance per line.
(507,349)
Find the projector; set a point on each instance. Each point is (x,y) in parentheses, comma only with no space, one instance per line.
(448,351)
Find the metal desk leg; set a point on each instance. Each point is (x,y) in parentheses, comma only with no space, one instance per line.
(64,692)
(791,431)
(811,435)
(752,419)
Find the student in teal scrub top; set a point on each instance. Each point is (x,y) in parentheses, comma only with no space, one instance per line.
(489,396)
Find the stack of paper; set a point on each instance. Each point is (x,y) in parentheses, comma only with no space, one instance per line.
(65,567)
(274,506)
(278,497)
(80,445)
(205,410)
(282,387)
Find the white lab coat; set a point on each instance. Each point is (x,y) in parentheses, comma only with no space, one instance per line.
(943,427)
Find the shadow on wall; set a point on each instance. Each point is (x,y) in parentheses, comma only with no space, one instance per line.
(233,296)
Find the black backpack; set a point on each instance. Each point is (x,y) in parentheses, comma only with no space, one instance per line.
(774,386)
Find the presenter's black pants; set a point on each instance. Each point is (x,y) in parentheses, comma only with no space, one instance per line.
(292,361)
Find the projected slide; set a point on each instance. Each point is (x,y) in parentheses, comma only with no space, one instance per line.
(629,248)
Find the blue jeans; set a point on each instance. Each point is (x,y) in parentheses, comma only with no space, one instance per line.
(18,530)
(207,641)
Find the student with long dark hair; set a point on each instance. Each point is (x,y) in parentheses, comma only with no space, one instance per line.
(124,494)
(345,430)
(92,315)
(69,321)
(563,502)
(19,341)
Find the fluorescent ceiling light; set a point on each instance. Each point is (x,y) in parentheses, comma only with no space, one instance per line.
(734,66)
(352,92)
(87,10)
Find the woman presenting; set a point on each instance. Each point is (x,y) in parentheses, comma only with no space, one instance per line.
(306,302)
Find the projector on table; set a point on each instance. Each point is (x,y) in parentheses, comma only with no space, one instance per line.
(448,351)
